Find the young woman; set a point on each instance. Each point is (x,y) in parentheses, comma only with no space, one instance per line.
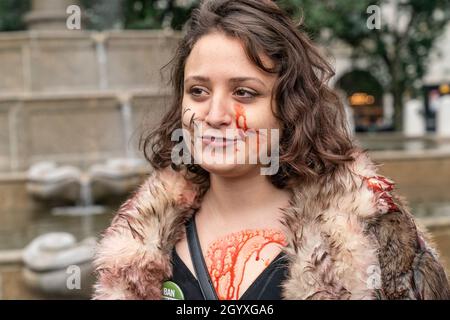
(319,223)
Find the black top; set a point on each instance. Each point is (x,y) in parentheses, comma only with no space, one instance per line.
(265,287)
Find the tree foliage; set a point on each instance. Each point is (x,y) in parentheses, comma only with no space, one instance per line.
(397,53)
(11,14)
(138,14)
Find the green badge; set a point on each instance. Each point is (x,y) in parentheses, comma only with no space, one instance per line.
(171,291)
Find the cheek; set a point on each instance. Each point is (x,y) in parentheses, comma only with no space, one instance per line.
(240,116)
(259,125)
(256,117)
(190,113)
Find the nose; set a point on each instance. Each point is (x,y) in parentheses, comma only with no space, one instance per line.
(219,113)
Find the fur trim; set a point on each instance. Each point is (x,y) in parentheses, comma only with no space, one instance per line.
(133,258)
(349,238)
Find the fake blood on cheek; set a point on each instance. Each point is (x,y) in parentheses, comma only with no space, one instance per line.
(240,114)
(241,122)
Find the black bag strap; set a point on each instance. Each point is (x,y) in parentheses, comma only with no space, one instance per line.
(206,286)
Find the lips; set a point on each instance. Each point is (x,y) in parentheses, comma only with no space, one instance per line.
(218,141)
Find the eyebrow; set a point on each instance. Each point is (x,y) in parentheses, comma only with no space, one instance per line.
(232,80)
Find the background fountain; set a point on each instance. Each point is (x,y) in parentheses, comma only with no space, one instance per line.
(74,101)
(49,260)
(48,257)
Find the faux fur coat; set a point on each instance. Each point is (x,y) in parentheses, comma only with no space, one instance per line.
(350,237)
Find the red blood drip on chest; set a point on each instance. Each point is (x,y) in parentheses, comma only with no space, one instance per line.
(226,255)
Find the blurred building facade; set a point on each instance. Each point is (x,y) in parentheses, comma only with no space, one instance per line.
(372,106)
(74,96)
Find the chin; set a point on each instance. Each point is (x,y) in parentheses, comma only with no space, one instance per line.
(228,170)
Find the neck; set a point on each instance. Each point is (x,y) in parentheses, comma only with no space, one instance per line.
(243,198)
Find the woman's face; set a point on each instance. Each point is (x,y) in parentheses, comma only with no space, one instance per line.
(227,106)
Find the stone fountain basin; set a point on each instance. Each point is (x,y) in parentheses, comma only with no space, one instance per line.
(55,263)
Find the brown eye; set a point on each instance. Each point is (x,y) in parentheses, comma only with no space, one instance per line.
(244,93)
(196,91)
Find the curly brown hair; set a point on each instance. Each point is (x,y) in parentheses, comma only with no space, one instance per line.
(314,139)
